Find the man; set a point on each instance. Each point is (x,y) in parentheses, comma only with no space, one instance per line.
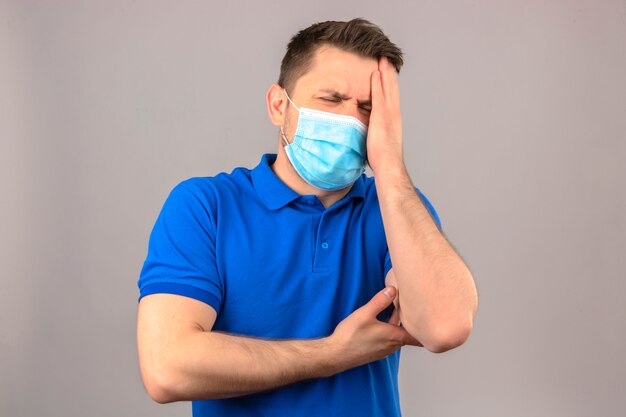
(268,291)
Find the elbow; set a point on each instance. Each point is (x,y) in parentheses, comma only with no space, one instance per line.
(441,337)
(449,340)
(166,384)
(159,393)
(160,385)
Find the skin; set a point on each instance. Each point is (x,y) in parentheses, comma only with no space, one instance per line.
(333,74)
(182,359)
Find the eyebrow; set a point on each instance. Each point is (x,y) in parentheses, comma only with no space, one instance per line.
(337,94)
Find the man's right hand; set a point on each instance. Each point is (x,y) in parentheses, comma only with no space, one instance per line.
(361,338)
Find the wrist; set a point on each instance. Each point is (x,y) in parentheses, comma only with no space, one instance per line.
(393,181)
(389,167)
(331,358)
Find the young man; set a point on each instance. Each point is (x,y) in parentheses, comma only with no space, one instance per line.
(268,291)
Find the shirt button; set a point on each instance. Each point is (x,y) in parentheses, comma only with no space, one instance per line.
(325,245)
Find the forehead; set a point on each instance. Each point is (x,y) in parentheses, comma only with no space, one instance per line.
(333,68)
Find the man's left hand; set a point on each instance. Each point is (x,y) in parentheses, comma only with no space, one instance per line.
(384,137)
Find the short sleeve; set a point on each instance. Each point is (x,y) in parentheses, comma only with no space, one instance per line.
(433,214)
(181,252)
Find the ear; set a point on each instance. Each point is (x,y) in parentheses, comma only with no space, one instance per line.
(276,104)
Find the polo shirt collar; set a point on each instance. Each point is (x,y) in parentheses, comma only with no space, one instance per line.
(358,189)
(275,193)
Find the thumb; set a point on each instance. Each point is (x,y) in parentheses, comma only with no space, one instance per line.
(380,301)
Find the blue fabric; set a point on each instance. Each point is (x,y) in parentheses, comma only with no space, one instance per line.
(274,264)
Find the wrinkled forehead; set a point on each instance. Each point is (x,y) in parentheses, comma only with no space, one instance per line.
(335,69)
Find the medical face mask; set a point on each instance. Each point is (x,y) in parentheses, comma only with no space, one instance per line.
(328,150)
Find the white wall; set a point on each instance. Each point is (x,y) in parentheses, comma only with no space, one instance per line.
(515,125)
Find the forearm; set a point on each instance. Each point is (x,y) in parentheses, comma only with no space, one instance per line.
(211,365)
(437,294)
(180,358)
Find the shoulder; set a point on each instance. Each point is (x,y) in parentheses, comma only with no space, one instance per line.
(202,199)
(215,189)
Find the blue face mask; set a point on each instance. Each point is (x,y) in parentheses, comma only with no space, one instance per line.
(328,150)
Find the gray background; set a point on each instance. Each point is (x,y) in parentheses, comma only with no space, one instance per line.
(514,120)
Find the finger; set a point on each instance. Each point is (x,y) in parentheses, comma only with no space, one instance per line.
(411,341)
(407,339)
(389,79)
(377,90)
(379,302)
(383,63)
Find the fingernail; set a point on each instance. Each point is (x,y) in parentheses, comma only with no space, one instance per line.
(388,292)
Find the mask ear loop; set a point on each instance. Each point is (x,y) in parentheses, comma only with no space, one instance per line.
(282,132)
(291,101)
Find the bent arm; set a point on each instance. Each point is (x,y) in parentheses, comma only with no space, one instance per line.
(182,359)
(437,294)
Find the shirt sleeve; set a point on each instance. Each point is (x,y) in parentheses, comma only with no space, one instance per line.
(433,214)
(181,252)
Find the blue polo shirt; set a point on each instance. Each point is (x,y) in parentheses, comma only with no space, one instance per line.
(276,264)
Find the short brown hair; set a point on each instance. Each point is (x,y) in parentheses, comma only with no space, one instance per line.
(358,36)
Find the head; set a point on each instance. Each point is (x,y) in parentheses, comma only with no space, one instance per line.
(358,36)
(328,66)
(337,56)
